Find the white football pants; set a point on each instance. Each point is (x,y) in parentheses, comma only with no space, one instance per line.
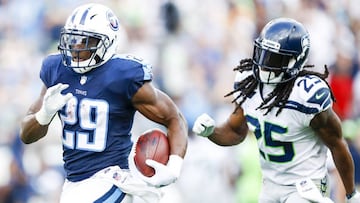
(93,190)
(274,193)
(110,185)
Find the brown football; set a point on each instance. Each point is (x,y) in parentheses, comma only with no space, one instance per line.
(152,144)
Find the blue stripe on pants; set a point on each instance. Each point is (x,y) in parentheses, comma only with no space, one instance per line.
(114,195)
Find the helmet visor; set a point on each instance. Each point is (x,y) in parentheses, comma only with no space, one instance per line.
(267,59)
(78,42)
(79,48)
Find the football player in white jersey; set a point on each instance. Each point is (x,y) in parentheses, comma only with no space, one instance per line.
(289,110)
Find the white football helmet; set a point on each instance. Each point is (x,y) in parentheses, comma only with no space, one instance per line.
(89,37)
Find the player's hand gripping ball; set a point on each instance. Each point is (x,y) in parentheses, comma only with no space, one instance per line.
(152,144)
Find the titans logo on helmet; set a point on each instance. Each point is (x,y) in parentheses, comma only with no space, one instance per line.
(114,22)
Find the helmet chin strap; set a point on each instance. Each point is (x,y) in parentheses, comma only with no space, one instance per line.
(83,65)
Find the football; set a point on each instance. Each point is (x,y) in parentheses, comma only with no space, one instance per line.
(152,144)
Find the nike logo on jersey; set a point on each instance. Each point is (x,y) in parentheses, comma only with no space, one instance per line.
(321,97)
(318,96)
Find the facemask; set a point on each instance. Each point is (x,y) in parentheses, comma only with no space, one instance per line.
(269,77)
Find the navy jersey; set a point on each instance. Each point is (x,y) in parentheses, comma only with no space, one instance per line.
(97,121)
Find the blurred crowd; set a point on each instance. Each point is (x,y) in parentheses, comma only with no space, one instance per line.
(193,47)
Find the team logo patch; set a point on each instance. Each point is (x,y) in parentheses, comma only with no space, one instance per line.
(113,21)
(116,176)
(83,80)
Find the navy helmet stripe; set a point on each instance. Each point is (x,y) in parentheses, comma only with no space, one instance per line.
(83,17)
(113,195)
(73,17)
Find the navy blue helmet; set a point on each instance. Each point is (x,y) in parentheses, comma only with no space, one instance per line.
(281,51)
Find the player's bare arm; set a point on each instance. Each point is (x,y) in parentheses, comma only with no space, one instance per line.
(327,125)
(233,131)
(158,107)
(31,130)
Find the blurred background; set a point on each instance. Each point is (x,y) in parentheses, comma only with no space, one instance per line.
(193,47)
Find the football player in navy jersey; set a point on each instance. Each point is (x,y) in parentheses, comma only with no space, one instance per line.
(96,93)
(289,110)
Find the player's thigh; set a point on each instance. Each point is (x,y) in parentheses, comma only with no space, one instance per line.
(295,197)
(274,193)
(270,192)
(93,190)
(281,195)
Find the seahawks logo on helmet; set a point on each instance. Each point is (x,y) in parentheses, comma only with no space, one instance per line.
(305,43)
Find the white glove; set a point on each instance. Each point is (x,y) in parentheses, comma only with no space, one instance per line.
(52,103)
(355,198)
(308,190)
(164,174)
(204,125)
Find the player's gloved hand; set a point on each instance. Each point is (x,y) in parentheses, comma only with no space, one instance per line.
(53,101)
(353,198)
(164,174)
(204,125)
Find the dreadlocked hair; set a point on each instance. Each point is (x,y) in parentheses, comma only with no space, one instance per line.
(279,96)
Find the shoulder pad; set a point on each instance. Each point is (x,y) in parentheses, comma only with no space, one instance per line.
(310,95)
